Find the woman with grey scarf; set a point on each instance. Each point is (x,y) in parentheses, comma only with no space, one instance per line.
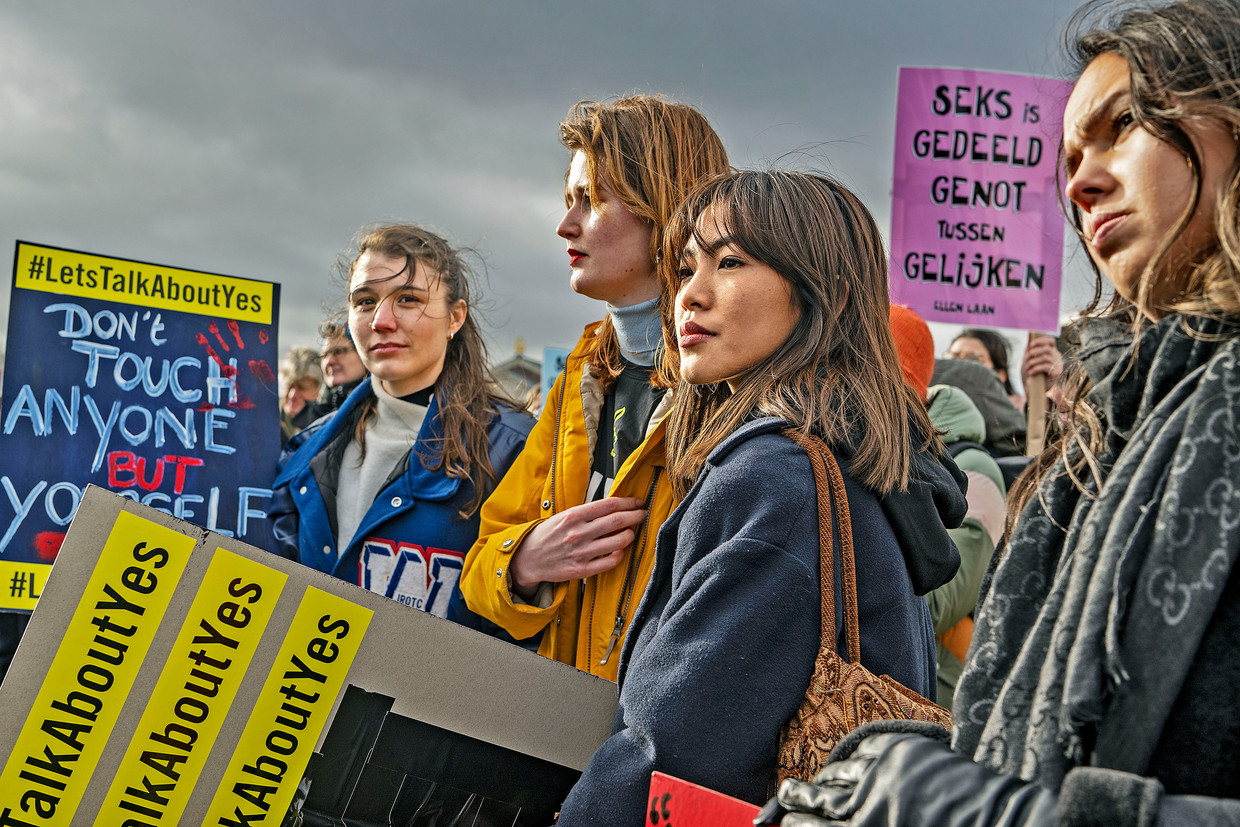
(1103,683)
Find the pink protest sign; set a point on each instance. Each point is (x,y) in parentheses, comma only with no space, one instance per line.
(976,225)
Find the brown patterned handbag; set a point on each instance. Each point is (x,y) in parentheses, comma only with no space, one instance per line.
(842,694)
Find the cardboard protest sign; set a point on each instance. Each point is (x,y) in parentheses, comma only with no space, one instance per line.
(177,676)
(153,381)
(976,225)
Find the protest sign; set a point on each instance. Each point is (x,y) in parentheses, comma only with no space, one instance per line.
(152,381)
(177,676)
(677,803)
(976,225)
(554,360)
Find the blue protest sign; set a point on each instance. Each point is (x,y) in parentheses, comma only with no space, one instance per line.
(155,382)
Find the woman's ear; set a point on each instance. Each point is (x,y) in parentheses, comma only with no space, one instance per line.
(839,309)
(457,313)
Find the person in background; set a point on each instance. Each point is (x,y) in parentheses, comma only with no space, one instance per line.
(775,315)
(963,431)
(1104,675)
(989,348)
(567,539)
(385,494)
(1005,426)
(300,378)
(1043,356)
(342,366)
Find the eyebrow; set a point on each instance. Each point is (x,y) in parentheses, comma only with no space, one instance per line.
(368,286)
(1099,113)
(709,249)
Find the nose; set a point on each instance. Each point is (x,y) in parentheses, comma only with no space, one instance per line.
(1090,181)
(693,293)
(384,317)
(570,224)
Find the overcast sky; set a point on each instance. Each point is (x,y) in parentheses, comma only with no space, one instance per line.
(254,139)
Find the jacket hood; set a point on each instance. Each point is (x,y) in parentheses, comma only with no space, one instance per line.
(951,410)
(935,486)
(1005,425)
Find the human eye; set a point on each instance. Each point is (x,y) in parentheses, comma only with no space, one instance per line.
(730,262)
(1071,162)
(362,302)
(684,272)
(1121,122)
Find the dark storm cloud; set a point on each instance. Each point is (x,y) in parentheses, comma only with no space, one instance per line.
(254,139)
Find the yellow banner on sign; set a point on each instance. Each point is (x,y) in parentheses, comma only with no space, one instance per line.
(272,754)
(93,671)
(200,680)
(53,270)
(21,584)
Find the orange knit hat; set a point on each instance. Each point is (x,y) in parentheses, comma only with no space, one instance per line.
(914,347)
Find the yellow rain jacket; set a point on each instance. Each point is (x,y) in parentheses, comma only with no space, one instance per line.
(583,622)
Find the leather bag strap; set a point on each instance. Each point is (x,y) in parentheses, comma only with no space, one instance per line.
(833,513)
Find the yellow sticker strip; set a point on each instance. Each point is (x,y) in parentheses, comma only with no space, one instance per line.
(92,672)
(149,286)
(291,711)
(188,707)
(21,584)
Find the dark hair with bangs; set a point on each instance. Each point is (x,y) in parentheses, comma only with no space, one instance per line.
(838,368)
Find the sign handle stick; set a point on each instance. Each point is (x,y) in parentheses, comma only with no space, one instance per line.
(1035,410)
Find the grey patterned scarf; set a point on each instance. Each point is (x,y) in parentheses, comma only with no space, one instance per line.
(1091,618)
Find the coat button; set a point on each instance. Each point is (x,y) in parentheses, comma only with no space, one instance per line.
(506,544)
(546,504)
(327,549)
(499,572)
(396,502)
(302,490)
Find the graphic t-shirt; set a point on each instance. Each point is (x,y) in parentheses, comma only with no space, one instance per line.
(622,426)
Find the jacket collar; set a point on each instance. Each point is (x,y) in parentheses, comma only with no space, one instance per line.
(419,481)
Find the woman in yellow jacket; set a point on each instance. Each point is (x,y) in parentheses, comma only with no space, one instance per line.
(567,539)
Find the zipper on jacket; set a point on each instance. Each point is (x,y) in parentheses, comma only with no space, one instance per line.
(630,574)
(555,442)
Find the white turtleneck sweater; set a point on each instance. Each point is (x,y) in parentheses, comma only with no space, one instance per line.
(389,437)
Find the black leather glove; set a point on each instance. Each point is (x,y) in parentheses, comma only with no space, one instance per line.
(903,780)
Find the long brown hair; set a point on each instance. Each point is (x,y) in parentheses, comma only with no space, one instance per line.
(1183,64)
(652,152)
(466,392)
(837,374)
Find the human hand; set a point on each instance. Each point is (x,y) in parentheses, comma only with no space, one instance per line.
(905,780)
(576,543)
(1041,356)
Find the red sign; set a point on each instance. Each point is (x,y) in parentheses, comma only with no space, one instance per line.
(676,803)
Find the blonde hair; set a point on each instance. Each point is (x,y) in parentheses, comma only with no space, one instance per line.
(652,152)
(299,363)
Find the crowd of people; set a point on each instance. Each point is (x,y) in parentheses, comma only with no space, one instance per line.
(659,523)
